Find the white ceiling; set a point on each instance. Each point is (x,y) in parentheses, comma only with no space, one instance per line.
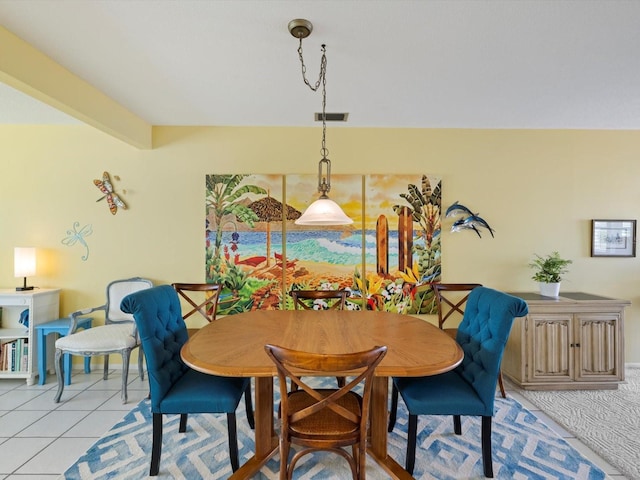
(391,63)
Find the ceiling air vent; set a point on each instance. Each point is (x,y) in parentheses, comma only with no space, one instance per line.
(332,117)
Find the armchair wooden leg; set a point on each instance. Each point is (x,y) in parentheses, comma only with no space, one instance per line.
(125,374)
(156,445)
(105,368)
(393,410)
(140,363)
(487,460)
(412,432)
(59,374)
(233,441)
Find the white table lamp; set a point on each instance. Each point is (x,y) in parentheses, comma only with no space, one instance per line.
(24,265)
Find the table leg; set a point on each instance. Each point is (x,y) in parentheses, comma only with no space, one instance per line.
(378,430)
(265,439)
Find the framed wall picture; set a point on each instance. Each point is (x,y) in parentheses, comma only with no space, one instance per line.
(613,238)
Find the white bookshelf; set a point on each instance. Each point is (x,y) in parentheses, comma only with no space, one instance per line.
(43,305)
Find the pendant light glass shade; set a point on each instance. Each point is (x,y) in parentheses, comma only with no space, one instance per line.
(324,211)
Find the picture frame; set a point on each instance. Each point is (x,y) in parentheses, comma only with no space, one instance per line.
(613,238)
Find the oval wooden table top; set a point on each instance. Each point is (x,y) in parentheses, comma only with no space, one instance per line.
(234,345)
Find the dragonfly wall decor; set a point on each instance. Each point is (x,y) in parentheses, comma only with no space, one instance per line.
(113,199)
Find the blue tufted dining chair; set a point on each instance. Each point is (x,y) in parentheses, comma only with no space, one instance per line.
(470,388)
(176,388)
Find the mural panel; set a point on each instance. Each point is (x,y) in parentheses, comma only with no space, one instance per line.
(244,239)
(402,222)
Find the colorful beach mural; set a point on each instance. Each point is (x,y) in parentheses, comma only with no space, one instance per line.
(386,259)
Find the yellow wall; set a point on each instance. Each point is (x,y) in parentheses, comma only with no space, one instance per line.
(538,189)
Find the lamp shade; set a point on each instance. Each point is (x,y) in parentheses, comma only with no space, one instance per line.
(324,211)
(24,261)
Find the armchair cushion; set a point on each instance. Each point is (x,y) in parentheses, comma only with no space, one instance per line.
(203,393)
(106,338)
(445,394)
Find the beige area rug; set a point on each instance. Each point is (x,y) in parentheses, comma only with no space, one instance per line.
(608,421)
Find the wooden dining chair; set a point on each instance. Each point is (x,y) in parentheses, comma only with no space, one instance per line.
(324,419)
(206,304)
(319,299)
(450,300)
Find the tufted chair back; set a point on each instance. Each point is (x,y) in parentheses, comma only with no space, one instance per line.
(483,336)
(162,330)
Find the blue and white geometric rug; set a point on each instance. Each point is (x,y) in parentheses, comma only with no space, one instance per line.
(523,448)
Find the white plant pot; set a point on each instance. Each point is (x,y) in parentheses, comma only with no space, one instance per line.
(549,289)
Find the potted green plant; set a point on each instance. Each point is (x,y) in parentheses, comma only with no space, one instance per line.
(548,272)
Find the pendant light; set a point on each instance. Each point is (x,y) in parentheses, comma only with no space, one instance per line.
(323,211)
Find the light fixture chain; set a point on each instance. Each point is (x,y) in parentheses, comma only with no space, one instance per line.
(324,181)
(323,68)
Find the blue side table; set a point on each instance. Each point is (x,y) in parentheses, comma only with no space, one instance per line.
(61,327)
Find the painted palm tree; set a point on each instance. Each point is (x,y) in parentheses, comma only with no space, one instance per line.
(223,195)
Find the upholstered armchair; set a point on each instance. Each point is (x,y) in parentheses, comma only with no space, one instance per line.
(176,388)
(470,388)
(117,335)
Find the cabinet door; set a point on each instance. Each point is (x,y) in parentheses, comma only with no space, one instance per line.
(598,349)
(550,357)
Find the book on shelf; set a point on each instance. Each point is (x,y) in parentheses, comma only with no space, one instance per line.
(14,355)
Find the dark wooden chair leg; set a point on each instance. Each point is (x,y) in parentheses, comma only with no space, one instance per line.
(393,409)
(487,460)
(233,441)
(457,425)
(156,444)
(501,385)
(412,432)
(249,407)
(183,423)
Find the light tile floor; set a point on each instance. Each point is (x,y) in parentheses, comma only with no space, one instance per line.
(40,439)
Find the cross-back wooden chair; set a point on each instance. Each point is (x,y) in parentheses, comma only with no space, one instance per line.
(319,299)
(207,307)
(451,299)
(324,419)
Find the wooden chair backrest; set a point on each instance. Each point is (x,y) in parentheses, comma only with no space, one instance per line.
(207,307)
(334,299)
(449,299)
(292,364)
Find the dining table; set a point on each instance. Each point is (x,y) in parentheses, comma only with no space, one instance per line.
(234,346)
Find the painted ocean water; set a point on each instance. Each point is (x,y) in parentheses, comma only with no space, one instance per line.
(315,246)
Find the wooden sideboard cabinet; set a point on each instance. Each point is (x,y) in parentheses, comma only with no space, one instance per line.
(574,341)
(43,305)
